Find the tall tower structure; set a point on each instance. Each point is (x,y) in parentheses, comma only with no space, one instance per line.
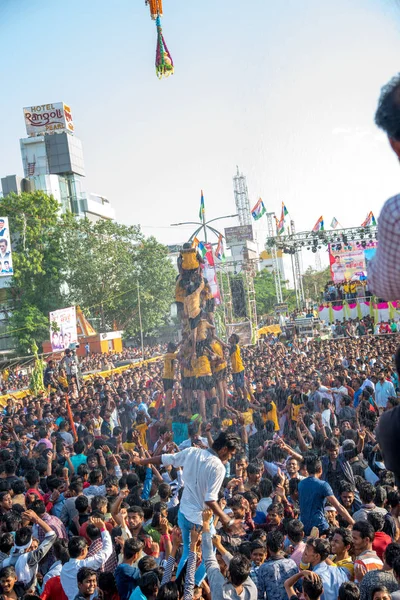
(241,198)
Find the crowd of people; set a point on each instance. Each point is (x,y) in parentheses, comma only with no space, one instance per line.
(137,488)
(346,290)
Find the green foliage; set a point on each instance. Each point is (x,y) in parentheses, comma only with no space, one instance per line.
(106,261)
(60,260)
(36,232)
(36,384)
(266,296)
(314,282)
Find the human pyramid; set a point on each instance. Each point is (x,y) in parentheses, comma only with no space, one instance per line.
(201,354)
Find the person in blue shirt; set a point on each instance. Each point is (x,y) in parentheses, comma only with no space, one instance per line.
(78,458)
(126,575)
(315,553)
(312,496)
(356,383)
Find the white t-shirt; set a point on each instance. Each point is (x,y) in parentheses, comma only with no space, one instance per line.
(203,474)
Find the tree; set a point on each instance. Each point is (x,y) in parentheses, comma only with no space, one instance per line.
(106,264)
(264,286)
(38,263)
(314,282)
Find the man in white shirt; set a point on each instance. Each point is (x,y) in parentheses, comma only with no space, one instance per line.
(339,390)
(78,550)
(203,474)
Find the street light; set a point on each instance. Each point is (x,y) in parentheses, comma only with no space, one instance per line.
(204,225)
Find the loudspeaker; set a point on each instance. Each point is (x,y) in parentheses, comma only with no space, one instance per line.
(239,304)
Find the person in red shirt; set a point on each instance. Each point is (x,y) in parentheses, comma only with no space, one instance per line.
(381,540)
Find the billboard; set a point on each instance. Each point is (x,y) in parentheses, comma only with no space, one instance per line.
(48,118)
(349,261)
(63,328)
(6,265)
(210,273)
(237,236)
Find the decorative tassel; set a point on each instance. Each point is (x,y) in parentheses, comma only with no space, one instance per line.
(164,62)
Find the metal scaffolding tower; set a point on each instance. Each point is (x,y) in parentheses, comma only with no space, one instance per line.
(318,263)
(297,275)
(275,265)
(241,198)
(250,270)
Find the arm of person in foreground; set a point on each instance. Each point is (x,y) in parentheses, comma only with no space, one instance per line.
(215,578)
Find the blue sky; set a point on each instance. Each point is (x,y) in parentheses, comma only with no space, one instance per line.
(285,90)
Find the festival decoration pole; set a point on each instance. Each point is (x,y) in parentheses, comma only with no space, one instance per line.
(71,419)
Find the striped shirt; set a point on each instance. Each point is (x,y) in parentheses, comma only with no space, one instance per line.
(370,560)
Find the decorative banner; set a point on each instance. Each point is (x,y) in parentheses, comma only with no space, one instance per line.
(381,311)
(210,273)
(63,330)
(48,118)
(6,266)
(349,260)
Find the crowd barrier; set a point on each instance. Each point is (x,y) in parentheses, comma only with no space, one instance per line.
(347,309)
(23,393)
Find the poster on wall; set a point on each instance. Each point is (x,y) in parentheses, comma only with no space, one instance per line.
(349,262)
(210,273)
(63,331)
(6,265)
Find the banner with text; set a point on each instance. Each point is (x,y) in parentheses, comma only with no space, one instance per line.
(6,266)
(210,273)
(349,261)
(63,330)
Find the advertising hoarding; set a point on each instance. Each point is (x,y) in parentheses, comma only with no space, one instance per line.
(348,262)
(210,273)
(48,118)
(238,235)
(6,265)
(63,330)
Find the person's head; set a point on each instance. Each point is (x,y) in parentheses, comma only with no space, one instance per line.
(342,541)
(254,472)
(313,465)
(239,569)
(387,116)
(226,445)
(5,501)
(349,591)
(135,518)
(265,487)
(292,466)
(275,514)
(363,535)
(346,494)
(295,531)
(377,520)
(132,549)
(380,592)
(367,492)
(258,552)
(391,554)
(87,581)
(332,448)
(275,542)
(82,504)
(312,588)
(8,578)
(77,547)
(316,551)
(149,584)
(112,487)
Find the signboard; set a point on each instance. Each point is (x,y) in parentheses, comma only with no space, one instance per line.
(63,328)
(210,273)
(281,308)
(349,261)
(6,265)
(48,118)
(237,236)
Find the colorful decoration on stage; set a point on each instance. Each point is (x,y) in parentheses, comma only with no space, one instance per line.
(319,225)
(164,62)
